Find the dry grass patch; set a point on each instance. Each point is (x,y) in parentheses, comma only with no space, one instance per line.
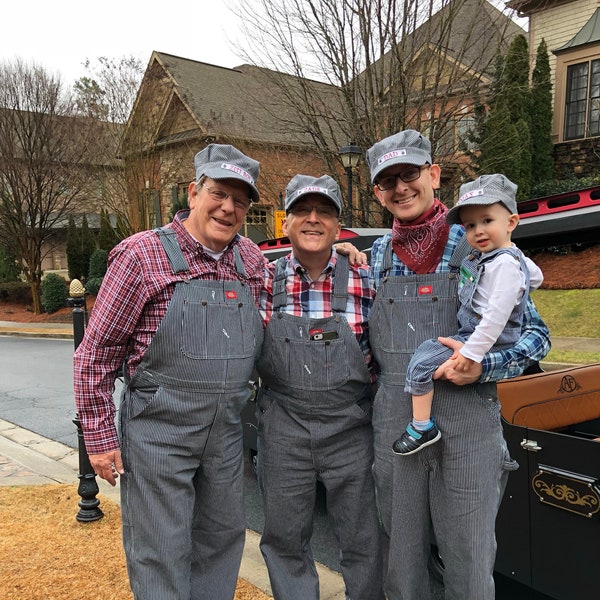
(46,553)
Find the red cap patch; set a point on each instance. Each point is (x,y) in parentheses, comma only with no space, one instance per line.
(425,290)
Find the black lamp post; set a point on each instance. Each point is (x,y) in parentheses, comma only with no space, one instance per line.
(89,505)
(350,156)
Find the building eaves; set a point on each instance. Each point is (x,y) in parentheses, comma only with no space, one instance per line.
(588,34)
(525,8)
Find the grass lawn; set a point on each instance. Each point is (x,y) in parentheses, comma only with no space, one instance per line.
(570,313)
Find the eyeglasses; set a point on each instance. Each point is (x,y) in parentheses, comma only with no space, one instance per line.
(221,195)
(326,211)
(409,174)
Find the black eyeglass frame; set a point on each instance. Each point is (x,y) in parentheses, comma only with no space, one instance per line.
(415,173)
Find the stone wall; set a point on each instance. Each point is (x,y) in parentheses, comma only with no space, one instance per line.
(580,158)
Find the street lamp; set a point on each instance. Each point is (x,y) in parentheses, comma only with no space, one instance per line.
(350,156)
(89,505)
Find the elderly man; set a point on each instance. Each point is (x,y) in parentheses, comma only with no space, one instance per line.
(178,307)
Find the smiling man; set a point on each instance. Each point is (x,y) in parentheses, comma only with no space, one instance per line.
(455,485)
(314,405)
(178,308)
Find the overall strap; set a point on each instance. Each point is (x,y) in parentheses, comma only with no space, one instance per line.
(279,278)
(461,251)
(169,242)
(239,263)
(339,297)
(516,254)
(386,263)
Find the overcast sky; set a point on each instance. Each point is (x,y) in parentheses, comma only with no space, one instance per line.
(61,34)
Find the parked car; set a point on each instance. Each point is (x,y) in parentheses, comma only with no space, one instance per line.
(548,527)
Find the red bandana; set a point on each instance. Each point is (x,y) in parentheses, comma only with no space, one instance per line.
(420,243)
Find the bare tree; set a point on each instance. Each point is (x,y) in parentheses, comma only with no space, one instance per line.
(129,171)
(106,96)
(389,65)
(43,164)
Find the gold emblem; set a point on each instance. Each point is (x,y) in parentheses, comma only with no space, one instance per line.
(568,491)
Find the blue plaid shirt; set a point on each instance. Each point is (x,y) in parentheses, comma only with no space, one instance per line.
(534,342)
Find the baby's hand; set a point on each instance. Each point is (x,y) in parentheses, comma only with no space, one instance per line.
(462,363)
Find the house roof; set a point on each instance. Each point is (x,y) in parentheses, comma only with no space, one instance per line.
(478,30)
(525,8)
(588,34)
(243,102)
(259,105)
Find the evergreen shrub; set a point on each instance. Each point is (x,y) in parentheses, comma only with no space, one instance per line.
(54,293)
(92,285)
(98,262)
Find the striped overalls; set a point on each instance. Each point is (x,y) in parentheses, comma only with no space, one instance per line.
(454,486)
(182,492)
(314,413)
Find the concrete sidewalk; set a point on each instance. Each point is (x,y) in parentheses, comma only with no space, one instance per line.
(27,458)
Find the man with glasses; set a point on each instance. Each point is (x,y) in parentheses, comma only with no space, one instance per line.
(178,307)
(454,486)
(314,405)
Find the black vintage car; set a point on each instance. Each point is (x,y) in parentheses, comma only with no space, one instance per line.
(548,527)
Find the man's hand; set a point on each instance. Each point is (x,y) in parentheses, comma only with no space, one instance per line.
(108,466)
(448,371)
(355,256)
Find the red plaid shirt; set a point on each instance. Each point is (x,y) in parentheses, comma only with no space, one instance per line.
(131,303)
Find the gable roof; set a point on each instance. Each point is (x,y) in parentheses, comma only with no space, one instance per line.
(479,29)
(243,103)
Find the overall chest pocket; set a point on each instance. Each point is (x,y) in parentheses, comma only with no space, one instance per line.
(411,309)
(310,364)
(217,330)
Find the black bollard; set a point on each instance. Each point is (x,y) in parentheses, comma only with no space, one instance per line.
(88,487)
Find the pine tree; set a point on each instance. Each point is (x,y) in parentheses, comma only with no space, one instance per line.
(87,246)
(500,143)
(506,147)
(107,237)
(542,149)
(522,169)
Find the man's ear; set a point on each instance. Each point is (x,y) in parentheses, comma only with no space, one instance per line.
(436,176)
(192,193)
(378,195)
(339,230)
(284,227)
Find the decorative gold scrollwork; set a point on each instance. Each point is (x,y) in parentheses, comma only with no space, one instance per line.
(575,493)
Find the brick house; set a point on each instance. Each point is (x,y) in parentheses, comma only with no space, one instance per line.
(183,105)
